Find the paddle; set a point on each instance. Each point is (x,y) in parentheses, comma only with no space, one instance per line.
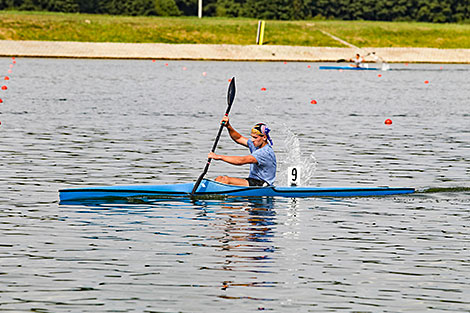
(230,97)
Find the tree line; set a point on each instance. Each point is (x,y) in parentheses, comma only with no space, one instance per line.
(435,11)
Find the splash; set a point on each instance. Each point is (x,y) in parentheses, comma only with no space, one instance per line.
(292,156)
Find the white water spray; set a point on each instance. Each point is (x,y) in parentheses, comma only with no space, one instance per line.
(292,156)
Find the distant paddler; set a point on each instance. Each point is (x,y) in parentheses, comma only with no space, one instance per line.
(262,159)
(358,61)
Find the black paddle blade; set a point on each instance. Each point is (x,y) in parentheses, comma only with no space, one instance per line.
(230,94)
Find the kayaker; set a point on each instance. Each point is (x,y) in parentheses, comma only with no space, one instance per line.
(262,159)
(358,60)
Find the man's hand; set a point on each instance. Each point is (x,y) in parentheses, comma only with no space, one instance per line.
(225,121)
(214,156)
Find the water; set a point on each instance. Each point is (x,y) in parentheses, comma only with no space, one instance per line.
(103,122)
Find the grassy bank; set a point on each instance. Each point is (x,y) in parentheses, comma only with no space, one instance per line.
(103,28)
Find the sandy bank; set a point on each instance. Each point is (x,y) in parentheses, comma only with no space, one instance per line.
(61,49)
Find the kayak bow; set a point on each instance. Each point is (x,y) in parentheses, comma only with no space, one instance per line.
(213,188)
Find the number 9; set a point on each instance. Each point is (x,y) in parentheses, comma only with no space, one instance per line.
(294,174)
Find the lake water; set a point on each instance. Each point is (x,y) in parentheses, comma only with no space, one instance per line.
(71,123)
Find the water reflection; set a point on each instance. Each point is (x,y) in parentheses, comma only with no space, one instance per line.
(246,240)
(240,236)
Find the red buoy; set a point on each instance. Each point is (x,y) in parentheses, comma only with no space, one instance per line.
(7,78)
(426,81)
(313,102)
(1,101)
(380,75)
(388,121)
(4,88)
(263,89)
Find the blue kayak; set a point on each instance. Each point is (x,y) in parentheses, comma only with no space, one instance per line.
(352,68)
(210,188)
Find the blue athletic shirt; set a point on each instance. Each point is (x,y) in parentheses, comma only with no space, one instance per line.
(265,169)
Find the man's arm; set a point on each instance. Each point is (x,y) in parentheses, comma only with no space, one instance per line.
(234,134)
(235,160)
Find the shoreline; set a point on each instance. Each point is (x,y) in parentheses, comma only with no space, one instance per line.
(160,51)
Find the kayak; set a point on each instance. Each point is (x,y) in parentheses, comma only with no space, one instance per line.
(352,68)
(210,188)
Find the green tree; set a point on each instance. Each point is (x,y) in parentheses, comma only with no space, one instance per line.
(187,7)
(461,10)
(437,11)
(326,8)
(88,6)
(166,8)
(68,6)
(30,5)
(128,7)
(268,9)
(9,4)
(230,8)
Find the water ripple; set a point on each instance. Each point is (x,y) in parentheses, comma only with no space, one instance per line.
(105,122)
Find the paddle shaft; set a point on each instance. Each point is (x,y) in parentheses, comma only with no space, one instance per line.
(230,97)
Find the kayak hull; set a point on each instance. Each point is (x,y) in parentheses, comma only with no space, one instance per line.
(352,68)
(210,188)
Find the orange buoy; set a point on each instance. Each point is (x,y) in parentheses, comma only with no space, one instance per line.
(388,121)
(426,81)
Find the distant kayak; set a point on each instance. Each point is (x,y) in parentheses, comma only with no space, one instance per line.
(352,68)
(209,188)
